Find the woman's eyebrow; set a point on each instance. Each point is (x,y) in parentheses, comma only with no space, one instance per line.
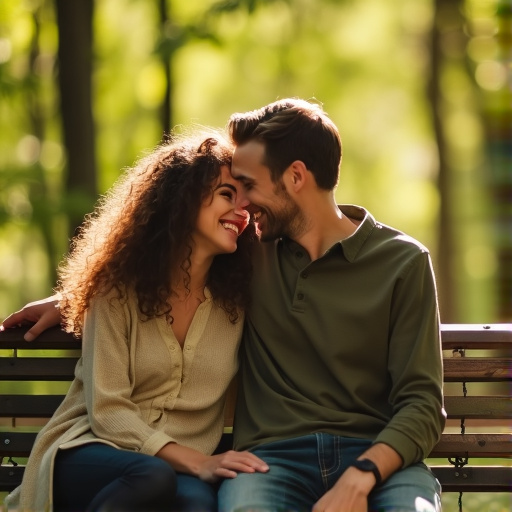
(228,185)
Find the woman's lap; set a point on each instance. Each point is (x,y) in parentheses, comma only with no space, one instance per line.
(97,476)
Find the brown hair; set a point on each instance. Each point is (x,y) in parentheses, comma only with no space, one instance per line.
(292,129)
(139,235)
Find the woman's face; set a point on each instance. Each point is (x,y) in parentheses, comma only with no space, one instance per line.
(222,217)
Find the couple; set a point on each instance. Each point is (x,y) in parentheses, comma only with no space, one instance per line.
(340,379)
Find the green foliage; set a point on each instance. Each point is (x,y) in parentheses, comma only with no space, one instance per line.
(366,61)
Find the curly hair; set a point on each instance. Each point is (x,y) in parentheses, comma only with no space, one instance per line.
(139,235)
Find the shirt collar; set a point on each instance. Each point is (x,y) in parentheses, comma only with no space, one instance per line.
(349,246)
(352,245)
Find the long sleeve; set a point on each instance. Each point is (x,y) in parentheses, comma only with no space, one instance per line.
(415,364)
(109,379)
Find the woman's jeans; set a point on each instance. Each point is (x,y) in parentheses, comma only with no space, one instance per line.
(303,469)
(97,477)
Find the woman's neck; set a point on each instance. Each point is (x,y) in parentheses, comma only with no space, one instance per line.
(193,282)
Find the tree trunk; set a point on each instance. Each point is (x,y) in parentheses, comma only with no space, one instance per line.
(39,195)
(499,137)
(166,108)
(444,267)
(74,19)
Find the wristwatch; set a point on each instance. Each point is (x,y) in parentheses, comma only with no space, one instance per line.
(368,465)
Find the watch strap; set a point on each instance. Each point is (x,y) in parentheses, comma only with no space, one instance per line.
(369,466)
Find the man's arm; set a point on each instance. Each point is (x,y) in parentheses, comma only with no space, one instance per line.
(415,366)
(43,313)
(351,490)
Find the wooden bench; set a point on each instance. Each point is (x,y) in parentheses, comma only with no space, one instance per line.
(475,356)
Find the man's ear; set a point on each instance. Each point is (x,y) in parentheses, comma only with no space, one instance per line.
(296,175)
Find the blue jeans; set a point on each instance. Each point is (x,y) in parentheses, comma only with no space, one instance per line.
(303,469)
(97,477)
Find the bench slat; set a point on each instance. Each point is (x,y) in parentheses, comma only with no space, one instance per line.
(19,444)
(473,445)
(52,338)
(474,479)
(477,369)
(38,368)
(10,477)
(16,444)
(471,336)
(478,407)
(29,406)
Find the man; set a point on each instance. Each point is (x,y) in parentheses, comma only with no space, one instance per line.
(341,381)
(341,373)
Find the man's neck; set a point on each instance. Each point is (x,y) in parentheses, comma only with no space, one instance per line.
(326,226)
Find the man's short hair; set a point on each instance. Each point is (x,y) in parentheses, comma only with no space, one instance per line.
(292,129)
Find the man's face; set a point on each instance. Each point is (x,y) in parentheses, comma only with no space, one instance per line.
(272,207)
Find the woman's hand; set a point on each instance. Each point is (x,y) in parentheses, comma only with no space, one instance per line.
(210,468)
(43,313)
(229,464)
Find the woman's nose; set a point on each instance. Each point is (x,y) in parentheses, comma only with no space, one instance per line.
(241,205)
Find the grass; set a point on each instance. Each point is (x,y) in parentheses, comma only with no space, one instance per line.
(478,502)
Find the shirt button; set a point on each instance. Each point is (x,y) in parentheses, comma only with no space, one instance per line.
(304,275)
(300,296)
(299,254)
(188,347)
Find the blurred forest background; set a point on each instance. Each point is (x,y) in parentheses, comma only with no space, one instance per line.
(420,89)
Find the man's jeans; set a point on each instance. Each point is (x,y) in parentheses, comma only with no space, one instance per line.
(303,469)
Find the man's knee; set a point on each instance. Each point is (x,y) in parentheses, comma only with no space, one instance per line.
(414,489)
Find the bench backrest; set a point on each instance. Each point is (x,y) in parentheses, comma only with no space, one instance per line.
(474,356)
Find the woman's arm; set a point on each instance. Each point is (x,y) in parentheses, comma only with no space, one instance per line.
(109,376)
(108,384)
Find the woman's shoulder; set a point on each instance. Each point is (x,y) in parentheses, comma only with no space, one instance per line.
(117,300)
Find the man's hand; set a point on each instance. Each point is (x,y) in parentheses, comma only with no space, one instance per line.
(43,313)
(352,489)
(349,493)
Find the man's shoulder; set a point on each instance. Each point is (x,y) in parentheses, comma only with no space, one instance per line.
(381,234)
(401,239)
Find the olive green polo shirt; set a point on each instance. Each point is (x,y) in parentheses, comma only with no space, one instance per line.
(347,344)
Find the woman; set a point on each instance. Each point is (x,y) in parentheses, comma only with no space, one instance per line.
(155,284)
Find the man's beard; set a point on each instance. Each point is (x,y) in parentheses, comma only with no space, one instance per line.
(287,220)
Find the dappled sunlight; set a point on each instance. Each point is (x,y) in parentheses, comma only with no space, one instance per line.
(477,502)
(368,63)
(150,88)
(491,75)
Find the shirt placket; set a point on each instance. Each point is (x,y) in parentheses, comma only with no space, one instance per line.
(300,293)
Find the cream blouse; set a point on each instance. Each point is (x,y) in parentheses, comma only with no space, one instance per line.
(135,388)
